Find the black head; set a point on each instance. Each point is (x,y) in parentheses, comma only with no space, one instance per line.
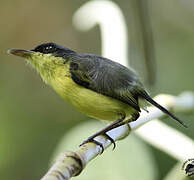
(54,49)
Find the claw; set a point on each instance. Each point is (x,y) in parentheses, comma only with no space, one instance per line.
(111,140)
(104,131)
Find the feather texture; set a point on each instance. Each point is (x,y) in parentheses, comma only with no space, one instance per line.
(106,77)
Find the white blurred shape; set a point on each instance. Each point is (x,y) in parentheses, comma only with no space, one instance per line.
(112,25)
(167,139)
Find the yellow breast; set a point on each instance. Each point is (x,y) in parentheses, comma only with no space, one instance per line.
(89,102)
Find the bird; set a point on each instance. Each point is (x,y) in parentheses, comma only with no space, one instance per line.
(96,86)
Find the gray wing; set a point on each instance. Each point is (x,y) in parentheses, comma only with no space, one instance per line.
(106,77)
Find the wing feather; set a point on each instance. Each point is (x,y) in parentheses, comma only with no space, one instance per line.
(106,77)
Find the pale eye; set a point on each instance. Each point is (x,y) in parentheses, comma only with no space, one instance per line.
(49,47)
(46,48)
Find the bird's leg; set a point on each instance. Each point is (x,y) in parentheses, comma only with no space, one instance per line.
(104,131)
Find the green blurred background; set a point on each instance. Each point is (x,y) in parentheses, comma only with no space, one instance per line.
(33,118)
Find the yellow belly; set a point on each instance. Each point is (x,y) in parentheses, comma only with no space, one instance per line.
(89,102)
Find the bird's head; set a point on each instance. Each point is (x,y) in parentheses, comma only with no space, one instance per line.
(46,58)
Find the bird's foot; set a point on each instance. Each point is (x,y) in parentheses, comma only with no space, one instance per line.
(91,139)
(111,140)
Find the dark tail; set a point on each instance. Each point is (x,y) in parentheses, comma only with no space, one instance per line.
(150,100)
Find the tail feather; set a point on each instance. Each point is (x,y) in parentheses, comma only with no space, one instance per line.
(151,101)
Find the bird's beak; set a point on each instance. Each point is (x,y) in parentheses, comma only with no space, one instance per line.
(21,52)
